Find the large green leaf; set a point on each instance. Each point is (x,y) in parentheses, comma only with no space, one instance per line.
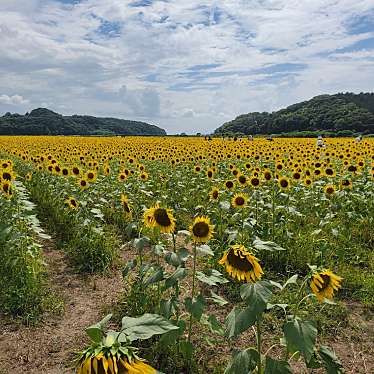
(177,275)
(301,336)
(196,306)
(266,246)
(258,293)
(146,326)
(277,367)
(213,277)
(329,360)
(156,276)
(243,362)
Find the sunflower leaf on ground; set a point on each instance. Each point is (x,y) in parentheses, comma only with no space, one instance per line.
(205,250)
(243,362)
(276,367)
(330,361)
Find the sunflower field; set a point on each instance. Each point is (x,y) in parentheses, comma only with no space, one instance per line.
(233,256)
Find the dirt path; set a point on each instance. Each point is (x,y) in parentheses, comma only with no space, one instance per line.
(48,347)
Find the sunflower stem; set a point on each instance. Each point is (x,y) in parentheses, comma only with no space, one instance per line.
(193,290)
(258,336)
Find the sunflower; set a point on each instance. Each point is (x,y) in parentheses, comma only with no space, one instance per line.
(242,179)
(329,190)
(72,203)
(76,171)
(83,184)
(125,204)
(143,176)
(214,193)
(7,189)
(160,217)
(209,174)
(241,264)
(267,175)
(254,182)
(28,177)
(7,175)
(308,182)
(229,184)
(121,177)
(65,172)
(110,363)
(324,283)
(239,200)
(91,176)
(201,230)
(346,184)
(284,183)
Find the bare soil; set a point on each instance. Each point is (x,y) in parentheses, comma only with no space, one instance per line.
(49,347)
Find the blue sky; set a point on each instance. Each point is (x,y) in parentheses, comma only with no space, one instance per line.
(187,66)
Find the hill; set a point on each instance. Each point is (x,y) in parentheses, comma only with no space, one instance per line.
(339,113)
(43,121)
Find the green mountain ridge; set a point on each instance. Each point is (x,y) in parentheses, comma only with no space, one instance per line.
(334,113)
(42,121)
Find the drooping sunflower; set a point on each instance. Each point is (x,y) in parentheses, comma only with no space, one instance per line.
(201,230)
(160,217)
(324,284)
(125,204)
(72,203)
(109,363)
(239,200)
(214,193)
(241,264)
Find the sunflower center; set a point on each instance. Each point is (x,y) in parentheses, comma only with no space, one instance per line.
(73,202)
(7,176)
(162,217)
(239,261)
(201,229)
(255,182)
(215,194)
(284,183)
(239,200)
(126,207)
(242,179)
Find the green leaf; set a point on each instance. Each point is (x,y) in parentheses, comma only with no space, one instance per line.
(292,280)
(214,325)
(301,336)
(258,293)
(266,246)
(167,307)
(178,274)
(156,276)
(186,348)
(195,307)
(96,331)
(129,266)
(243,362)
(276,367)
(205,250)
(329,360)
(213,277)
(140,243)
(171,336)
(218,299)
(146,326)
(173,259)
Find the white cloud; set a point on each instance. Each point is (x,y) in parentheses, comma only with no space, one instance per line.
(183,65)
(13,100)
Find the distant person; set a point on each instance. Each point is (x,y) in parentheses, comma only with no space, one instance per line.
(320,141)
(269,138)
(250,137)
(358,139)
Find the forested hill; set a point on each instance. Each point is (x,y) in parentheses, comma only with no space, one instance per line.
(42,121)
(337,113)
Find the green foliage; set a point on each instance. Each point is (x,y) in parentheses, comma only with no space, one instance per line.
(342,114)
(45,122)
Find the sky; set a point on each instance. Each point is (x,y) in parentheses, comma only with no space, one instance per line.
(186,65)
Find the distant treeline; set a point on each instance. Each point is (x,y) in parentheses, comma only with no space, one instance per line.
(42,121)
(342,113)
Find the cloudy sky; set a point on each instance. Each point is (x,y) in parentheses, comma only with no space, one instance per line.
(185,65)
